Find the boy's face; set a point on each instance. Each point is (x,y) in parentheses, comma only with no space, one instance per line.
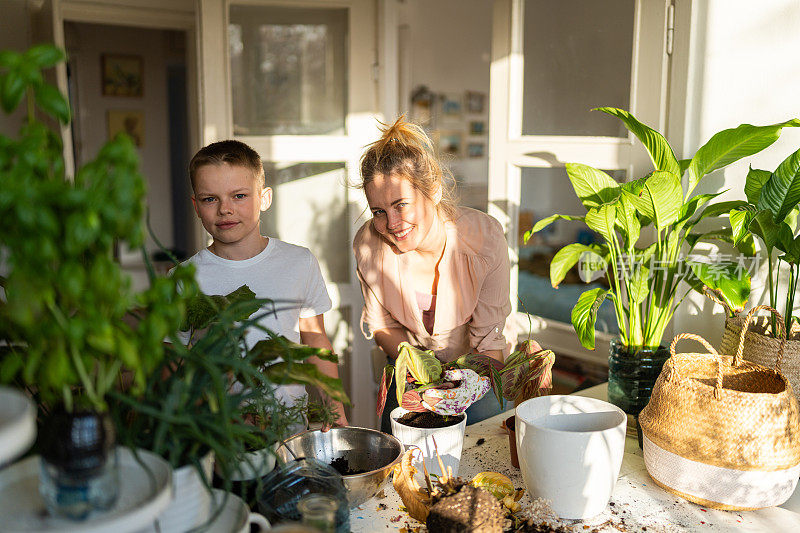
(229,201)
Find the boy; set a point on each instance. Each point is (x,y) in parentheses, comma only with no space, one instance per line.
(229,194)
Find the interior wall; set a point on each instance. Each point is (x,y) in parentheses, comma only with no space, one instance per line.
(743,67)
(86,43)
(450,45)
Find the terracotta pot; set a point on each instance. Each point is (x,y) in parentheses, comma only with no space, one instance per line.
(509,425)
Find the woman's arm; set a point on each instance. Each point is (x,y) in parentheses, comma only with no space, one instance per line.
(388,339)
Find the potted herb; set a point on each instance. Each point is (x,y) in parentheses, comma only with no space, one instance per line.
(61,316)
(644,274)
(195,406)
(770,213)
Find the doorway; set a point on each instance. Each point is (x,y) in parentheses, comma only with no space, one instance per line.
(133,80)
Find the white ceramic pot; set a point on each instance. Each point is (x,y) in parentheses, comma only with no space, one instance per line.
(570,451)
(253,465)
(191,502)
(449,441)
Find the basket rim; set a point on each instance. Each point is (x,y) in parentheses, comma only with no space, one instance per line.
(692,382)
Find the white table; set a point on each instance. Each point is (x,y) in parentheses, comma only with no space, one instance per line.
(637,501)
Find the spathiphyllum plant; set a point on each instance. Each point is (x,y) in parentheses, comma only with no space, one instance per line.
(770,213)
(644,276)
(524,374)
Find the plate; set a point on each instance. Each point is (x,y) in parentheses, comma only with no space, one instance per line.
(145,490)
(17,424)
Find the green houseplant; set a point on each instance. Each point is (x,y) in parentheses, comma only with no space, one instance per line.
(644,275)
(61,317)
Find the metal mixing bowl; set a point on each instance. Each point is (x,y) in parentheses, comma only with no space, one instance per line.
(364,449)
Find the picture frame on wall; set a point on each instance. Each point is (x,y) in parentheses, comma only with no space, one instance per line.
(477,127)
(474,101)
(122,75)
(451,106)
(129,122)
(476,150)
(449,143)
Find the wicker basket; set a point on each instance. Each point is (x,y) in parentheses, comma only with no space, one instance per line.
(722,432)
(758,345)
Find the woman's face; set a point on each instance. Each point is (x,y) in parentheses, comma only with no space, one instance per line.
(400,213)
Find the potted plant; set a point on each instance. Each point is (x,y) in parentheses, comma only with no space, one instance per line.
(644,273)
(194,407)
(770,213)
(524,374)
(61,317)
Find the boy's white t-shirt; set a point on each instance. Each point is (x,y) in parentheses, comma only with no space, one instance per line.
(287,274)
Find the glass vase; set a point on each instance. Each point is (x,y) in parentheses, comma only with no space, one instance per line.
(79,467)
(631,376)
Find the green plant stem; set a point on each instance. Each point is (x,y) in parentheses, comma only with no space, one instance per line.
(85,380)
(618,295)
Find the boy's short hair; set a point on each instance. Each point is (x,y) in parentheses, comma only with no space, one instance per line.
(231,152)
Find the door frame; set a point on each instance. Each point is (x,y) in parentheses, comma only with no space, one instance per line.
(510,151)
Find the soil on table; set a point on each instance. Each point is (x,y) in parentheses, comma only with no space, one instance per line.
(342,465)
(471,509)
(429,420)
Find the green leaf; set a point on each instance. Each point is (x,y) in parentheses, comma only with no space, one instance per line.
(740,223)
(12,89)
(721,208)
(639,197)
(543,223)
(584,315)
(564,260)
(423,365)
(792,254)
(307,374)
(627,221)
(593,187)
(731,145)
(665,193)
(730,279)
(44,55)
(657,146)
(764,226)
(690,208)
(50,100)
(754,183)
(602,219)
(781,193)
(684,164)
(640,284)
(10,59)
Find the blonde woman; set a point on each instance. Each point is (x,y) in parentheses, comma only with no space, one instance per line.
(432,273)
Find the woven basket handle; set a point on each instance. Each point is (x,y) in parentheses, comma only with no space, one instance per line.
(711,351)
(738,357)
(715,296)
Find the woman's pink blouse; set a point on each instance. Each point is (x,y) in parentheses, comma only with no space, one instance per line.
(472,297)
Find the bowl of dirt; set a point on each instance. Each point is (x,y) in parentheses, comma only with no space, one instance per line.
(364,457)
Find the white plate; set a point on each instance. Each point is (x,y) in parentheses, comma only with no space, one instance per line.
(141,497)
(17,424)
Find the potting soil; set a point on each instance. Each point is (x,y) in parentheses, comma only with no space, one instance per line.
(428,420)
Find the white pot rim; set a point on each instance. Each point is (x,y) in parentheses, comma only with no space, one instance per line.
(607,408)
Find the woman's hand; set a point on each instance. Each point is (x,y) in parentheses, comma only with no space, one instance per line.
(448,399)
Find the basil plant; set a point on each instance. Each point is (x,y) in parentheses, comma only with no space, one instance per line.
(644,275)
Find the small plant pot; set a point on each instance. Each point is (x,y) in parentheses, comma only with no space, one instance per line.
(191,501)
(631,377)
(80,472)
(448,440)
(509,425)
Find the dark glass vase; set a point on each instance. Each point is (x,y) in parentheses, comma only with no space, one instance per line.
(631,376)
(79,469)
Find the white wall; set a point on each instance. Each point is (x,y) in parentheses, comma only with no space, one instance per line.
(85,44)
(743,67)
(450,43)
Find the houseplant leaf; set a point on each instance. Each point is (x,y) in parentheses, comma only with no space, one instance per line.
(657,146)
(602,219)
(593,186)
(383,389)
(666,195)
(584,315)
(543,223)
(754,183)
(730,280)
(740,222)
(627,221)
(731,145)
(781,193)
(696,202)
(564,260)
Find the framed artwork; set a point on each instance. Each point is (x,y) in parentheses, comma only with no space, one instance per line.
(476,149)
(130,123)
(449,143)
(121,75)
(477,127)
(474,101)
(451,106)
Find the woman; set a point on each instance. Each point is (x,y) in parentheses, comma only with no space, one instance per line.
(433,274)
